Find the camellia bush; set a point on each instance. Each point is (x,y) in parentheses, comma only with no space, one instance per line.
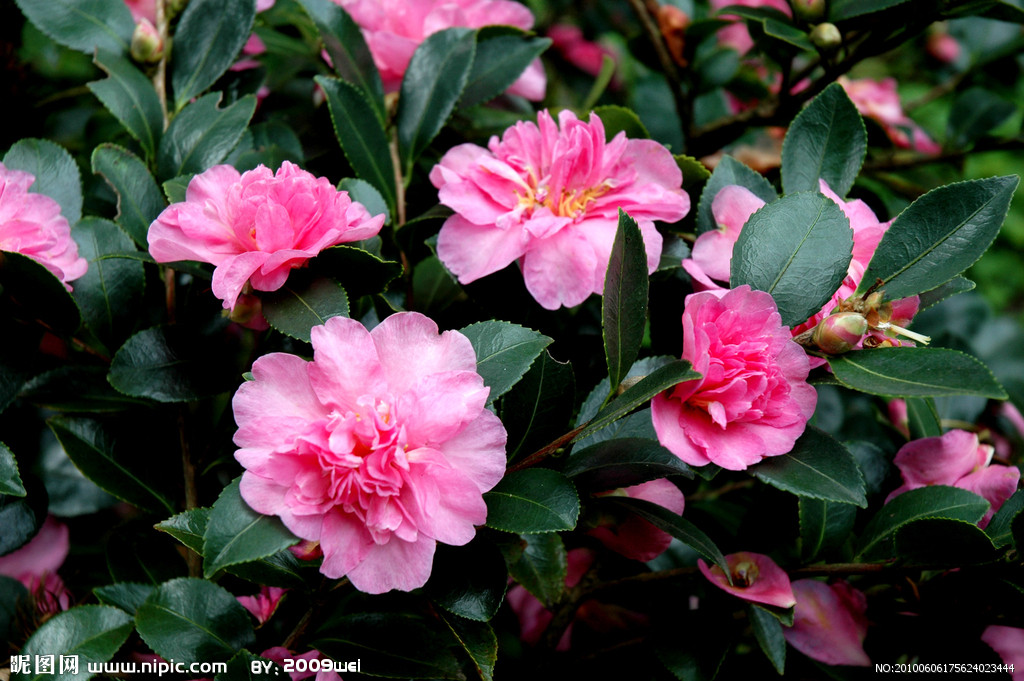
(483,339)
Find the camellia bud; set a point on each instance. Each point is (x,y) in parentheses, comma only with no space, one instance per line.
(840,332)
(147,46)
(826,37)
(808,10)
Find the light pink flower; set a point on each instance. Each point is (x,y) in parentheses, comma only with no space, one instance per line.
(736,35)
(393,29)
(635,537)
(752,399)
(263,604)
(755,578)
(956,459)
(31,224)
(257,226)
(379,448)
(829,624)
(548,195)
(879,101)
(1008,642)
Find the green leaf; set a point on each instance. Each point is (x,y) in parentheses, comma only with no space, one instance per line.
(303,302)
(433,286)
(137,554)
(824,525)
(77,389)
(83,25)
(840,10)
(695,175)
(131,98)
(797,249)
(479,643)
(938,501)
(361,135)
(93,633)
(621,463)
(818,466)
(55,171)
(768,632)
(730,171)
(538,408)
(540,565)
(139,200)
(601,82)
(109,294)
(202,134)
(677,526)
(826,141)
(624,302)
(939,235)
(468,581)
(939,293)
(93,450)
(975,112)
(1000,527)
(498,62)
(125,595)
(18,347)
(366,194)
(533,500)
(176,188)
(237,534)
(360,272)
(432,85)
(922,418)
(21,519)
(280,569)
(787,33)
(352,60)
(37,294)
(10,478)
(172,364)
(942,541)
(11,593)
(208,38)
(504,352)
(192,619)
(915,372)
(618,119)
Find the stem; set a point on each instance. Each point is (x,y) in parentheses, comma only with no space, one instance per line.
(191,488)
(396,161)
(906,161)
(546,450)
(160,77)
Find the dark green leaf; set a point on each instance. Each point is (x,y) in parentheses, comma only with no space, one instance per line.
(77,389)
(915,372)
(1000,527)
(942,541)
(601,82)
(11,593)
(818,466)
(730,171)
(840,10)
(922,418)
(824,525)
(18,349)
(768,632)
(303,302)
(93,450)
(826,141)
(280,569)
(504,352)
(533,500)
(1002,11)
(21,518)
(361,135)
(433,286)
(37,293)
(55,171)
(109,294)
(366,194)
(677,526)
(975,112)
(360,272)
(624,303)
(498,62)
(202,134)
(137,554)
(938,501)
(192,619)
(538,409)
(787,33)
(618,119)
(93,633)
(695,174)
(432,85)
(478,641)
(139,200)
(540,564)
(469,580)
(622,463)
(10,479)
(939,235)
(950,288)
(125,595)
(83,25)
(208,38)
(797,249)
(131,98)
(237,534)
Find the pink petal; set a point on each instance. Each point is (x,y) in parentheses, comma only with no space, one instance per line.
(410,348)
(829,623)
(397,565)
(44,553)
(561,270)
(345,365)
(1008,642)
(472,251)
(755,577)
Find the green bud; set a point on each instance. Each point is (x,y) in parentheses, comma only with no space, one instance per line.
(808,10)
(826,37)
(147,46)
(840,332)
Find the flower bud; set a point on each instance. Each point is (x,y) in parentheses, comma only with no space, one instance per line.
(840,332)
(808,10)
(826,37)
(147,46)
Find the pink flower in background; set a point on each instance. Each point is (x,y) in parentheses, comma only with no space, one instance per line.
(263,604)
(752,399)
(635,537)
(534,618)
(586,55)
(829,624)
(393,29)
(956,459)
(736,35)
(31,224)
(548,195)
(755,578)
(879,101)
(257,226)
(1008,642)
(36,563)
(379,448)
(142,9)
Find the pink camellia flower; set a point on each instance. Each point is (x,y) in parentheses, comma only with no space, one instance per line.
(635,537)
(752,399)
(829,624)
(31,224)
(393,29)
(36,563)
(533,617)
(879,101)
(263,604)
(755,578)
(736,35)
(548,195)
(586,55)
(1008,642)
(956,459)
(379,448)
(255,227)
(142,9)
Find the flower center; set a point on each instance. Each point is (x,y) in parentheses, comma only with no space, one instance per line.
(745,574)
(570,203)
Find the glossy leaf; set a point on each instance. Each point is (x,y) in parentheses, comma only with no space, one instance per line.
(83,25)
(479,643)
(1000,528)
(504,352)
(433,286)
(616,119)
(975,112)
(922,418)
(10,478)
(848,9)
(943,541)
(468,581)
(915,372)
(11,592)
(818,466)
(93,633)
(768,632)
(21,518)
(237,534)
(202,134)
(139,200)
(37,293)
(621,463)
(798,250)
(538,408)
(131,98)
(281,569)
(55,171)
(939,235)
(109,294)
(730,171)
(125,595)
(77,389)
(950,288)
(18,348)
(360,272)
(304,302)
(533,500)
(366,194)
(497,63)
(209,36)
(540,564)
(824,525)
(677,526)
(826,141)
(137,554)
(624,302)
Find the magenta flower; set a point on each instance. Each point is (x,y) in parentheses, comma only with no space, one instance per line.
(829,624)
(755,578)
(1008,642)
(752,399)
(879,101)
(393,29)
(635,537)
(257,226)
(31,224)
(736,34)
(36,563)
(548,195)
(958,460)
(586,55)
(379,448)
(263,604)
